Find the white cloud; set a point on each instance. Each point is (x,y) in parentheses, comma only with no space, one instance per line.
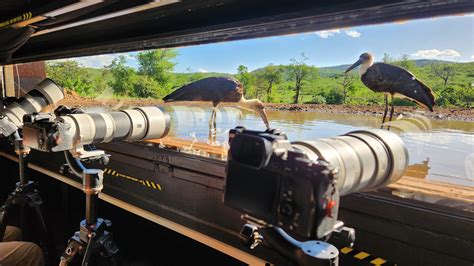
(353,33)
(98,61)
(327,33)
(202,70)
(472,56)
(432,53)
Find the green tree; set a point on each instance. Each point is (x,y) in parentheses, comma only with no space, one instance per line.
(267,78)
(146,87)
(443,71)
(467,95)
(299,72)
(123,76)
(71,75)
(347,84)
(247,79)
(100,81)
(259,85)
(63,72)
(157,64)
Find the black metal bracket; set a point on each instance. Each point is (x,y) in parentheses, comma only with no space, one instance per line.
(312,252)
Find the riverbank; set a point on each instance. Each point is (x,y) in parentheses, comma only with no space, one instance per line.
(440,113)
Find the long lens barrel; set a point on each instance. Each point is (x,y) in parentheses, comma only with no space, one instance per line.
(46,92)
(140,123)
(366,159)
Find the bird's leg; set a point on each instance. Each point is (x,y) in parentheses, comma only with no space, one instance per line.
(386,110)
(211,138)
(211,120)
(391,111)
(215,119)
(212,128)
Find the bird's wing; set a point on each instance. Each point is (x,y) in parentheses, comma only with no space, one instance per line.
(387,78)
(215,89)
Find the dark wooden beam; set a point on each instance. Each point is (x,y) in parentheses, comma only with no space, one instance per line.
(199,22)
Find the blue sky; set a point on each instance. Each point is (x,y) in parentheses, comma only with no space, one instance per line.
(447,38)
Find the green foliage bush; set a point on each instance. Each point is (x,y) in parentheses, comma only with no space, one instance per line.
(146,87)
(318,99)
(123,77)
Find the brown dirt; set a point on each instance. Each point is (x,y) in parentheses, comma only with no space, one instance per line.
(72,99)
(463,114)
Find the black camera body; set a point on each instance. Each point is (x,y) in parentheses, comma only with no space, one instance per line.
(278,185)
(40,131)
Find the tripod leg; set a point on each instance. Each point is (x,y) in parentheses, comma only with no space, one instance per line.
(25,229)
(37,203)
(386,110)
(88,252)
(3,214)
(39,213)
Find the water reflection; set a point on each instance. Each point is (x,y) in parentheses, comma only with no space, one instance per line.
(441,151)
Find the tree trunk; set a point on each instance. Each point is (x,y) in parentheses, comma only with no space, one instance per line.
(344,93)
(297,96)
(269,91)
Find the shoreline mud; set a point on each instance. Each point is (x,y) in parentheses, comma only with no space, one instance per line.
(440,113)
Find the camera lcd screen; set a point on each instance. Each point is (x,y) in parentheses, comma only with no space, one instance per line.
(244,191)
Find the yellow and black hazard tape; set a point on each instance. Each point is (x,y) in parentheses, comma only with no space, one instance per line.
(22,17)
(364,256)
(147,183)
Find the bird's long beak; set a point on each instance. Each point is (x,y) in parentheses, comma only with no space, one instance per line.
(263,114)
(360,61)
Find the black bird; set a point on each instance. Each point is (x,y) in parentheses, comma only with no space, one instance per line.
(393,80)
(217,90)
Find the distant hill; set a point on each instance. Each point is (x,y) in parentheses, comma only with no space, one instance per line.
(332,71)
(205,74)
(424,62)
(336,70)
